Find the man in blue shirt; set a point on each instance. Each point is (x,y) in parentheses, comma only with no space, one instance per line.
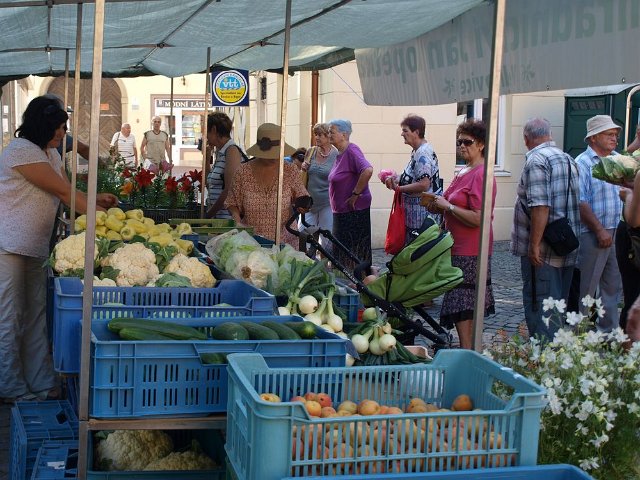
(600,209)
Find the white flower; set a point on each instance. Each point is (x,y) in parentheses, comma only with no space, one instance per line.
(600,311)
(633,407)
(574,318)
(545,320)
(567,362)
(588,358)
(589,463)
(587,301)
(561,305)
(598,303)
(548,304)
(618,335)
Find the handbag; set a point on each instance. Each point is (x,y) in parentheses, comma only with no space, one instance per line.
(396,228)
(307,160)
(558,234)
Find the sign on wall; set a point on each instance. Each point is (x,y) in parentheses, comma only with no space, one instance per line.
(230,88)
(548,45)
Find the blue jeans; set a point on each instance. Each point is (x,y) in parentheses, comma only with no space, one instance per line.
(550,282)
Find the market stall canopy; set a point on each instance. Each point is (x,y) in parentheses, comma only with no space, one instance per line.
(170,38)
(548,45)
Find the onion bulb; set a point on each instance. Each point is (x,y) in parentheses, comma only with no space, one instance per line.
(387,342)
(350,360)
(335,322)
(308,304)
(360,343)
(313,318)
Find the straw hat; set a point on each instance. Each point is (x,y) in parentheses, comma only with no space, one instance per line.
(599,124)
(268,144)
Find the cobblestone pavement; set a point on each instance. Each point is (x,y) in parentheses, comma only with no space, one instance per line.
(507,289)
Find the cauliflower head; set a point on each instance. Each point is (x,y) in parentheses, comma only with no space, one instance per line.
(188,460)
(135,263)
(192,268)
(260,269)
(68,255)
(132,449)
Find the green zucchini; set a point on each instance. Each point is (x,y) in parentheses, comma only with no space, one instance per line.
(284,332)
(213,358)
(259,332)
(132,333)
(169,329)
(230,331)
(304,329)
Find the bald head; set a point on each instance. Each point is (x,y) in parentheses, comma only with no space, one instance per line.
(125,129)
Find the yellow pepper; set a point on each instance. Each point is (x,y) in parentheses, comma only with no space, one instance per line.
(136,214)
(137,225)
(80,223)
(162,239)
(149,222)
(101,217)
(117,212)
(113,235)
(127,233)
(101,231)
(112,223)
(185,246)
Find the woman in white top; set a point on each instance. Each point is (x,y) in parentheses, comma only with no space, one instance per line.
(32,184)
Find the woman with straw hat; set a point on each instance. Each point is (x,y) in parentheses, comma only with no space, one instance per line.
(253,197)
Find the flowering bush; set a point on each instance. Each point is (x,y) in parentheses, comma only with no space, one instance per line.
(593,389)
(155,187)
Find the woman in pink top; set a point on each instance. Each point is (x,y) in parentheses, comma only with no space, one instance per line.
(461,204)
(349,195)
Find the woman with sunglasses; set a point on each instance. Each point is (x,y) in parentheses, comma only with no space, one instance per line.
(461,204)
(32,184)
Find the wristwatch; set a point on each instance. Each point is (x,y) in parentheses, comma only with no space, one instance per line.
(356,194)
(451,207)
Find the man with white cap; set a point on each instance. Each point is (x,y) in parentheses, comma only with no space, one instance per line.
(600,209)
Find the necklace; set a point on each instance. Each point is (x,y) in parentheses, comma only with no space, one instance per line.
(324,155)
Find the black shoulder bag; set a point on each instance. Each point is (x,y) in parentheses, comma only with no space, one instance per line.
(559,234)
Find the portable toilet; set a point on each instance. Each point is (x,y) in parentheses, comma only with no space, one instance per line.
(584,103)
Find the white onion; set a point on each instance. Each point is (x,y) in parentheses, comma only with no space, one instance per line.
(308,304)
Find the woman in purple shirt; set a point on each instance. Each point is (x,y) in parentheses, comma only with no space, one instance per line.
(349,195)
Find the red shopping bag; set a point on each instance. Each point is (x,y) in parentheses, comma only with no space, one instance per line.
(396,228)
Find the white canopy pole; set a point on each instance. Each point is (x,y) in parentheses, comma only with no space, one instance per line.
(74,128)
(65,97)
(489,162)
(87,291)
(171,132)
(203,131)
(283,117)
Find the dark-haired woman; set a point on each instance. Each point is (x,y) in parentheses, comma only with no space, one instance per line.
(32,183)
(462,205)
(421,174)
(227,160)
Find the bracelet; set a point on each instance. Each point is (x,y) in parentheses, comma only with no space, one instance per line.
(356,194)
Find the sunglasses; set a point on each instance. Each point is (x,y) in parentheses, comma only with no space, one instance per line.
(467,142)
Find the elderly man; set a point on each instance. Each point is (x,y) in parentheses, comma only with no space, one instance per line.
(125,144)
(547,191)
(155,143)
(600,209)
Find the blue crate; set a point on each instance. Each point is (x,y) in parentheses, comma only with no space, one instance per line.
(211,441)
(49,310)
(546,472)
(31,424)
(57,459)
(252,423)
(348,300)
(153,378)
(111,302)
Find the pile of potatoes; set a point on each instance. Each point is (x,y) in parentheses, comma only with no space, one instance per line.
(394,444)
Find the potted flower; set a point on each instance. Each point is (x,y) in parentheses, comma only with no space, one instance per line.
(593,387)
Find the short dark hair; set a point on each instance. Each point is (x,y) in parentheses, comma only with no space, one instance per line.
(222,122)
(42,117)
(474,128)
(413,123)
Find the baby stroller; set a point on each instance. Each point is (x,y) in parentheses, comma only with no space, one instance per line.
(421,271)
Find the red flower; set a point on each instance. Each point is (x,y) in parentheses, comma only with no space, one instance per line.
(195,176)
(185,184)
(171,184)
(126,173)
(144,177)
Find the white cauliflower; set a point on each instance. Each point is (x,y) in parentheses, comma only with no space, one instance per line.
(192,268)
(135,263)
(132,449)
(188,460)
(105,282)
(68,255)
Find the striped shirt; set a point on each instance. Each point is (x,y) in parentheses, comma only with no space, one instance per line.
(126,146)
(215,179)
(544,182)
(601,196)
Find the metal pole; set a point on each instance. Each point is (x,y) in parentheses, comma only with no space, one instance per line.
(74,128)
(283,118)
(489,162)
(87,292)
(627,113)
(65,97)
(203,131)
